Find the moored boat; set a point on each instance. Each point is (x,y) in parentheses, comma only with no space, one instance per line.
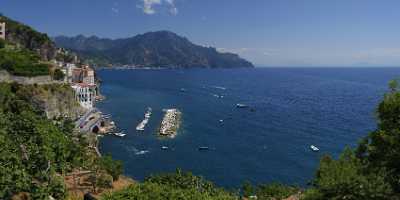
(240,105)
(314,148)
(120,134)
(203,148)
(164,148)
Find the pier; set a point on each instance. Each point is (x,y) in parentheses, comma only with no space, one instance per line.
(170,123)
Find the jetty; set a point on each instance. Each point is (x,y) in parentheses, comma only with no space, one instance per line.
(170,123)
(142,125)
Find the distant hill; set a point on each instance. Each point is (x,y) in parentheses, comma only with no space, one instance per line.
(26,37)
(152,49)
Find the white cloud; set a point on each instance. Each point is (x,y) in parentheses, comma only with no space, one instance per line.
(115,8)
(149,6)
(173,11)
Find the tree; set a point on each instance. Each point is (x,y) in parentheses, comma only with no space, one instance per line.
(104,181)
(346,178)
(113,167)
(247,189)
(2,43)
(58,75)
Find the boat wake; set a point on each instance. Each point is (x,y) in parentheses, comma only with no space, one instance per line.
(137,151)
(219,87)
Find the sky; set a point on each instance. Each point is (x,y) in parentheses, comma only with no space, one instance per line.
(266,32)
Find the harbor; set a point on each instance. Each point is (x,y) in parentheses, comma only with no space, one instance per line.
(170,123)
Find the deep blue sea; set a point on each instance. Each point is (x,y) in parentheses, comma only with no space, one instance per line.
(293,109)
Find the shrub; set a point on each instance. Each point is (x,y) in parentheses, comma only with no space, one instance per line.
(58,75)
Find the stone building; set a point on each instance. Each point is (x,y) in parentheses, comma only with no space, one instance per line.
(2,30)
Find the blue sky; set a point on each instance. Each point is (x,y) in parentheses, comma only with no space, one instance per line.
(267,32)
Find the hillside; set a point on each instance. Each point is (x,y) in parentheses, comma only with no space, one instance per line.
(152,49)
(26,37)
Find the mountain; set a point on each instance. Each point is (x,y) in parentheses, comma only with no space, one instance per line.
(152,49)
(24,36)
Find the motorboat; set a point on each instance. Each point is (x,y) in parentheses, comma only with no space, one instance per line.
(120,134)
(164,148)
(203,148)
(314,148)
(240,105)
(142,152)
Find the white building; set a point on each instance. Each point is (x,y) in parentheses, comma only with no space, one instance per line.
(3,30)
(69,68)
(84,94)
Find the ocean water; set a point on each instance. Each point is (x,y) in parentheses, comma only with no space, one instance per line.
(293,108)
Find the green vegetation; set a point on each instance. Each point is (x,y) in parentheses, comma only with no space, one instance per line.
(268,191)
(58,75)
(372,171)
(2,43)
(181,185)
(36,153)
(22,63)
(25,37)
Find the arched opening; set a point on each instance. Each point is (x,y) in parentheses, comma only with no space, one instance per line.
(95,129)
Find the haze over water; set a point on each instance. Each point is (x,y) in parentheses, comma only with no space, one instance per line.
(293,109)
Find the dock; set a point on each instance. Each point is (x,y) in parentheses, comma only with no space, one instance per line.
(170,123)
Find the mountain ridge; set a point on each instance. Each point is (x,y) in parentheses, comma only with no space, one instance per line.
(150,49)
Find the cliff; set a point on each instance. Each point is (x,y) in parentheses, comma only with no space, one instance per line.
(55,100)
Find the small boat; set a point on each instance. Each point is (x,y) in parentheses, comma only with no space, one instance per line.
(120,134)
(239,105)
(203,148)
(183,90)
(314,148)
(164,148)
(221,120)
(142,152)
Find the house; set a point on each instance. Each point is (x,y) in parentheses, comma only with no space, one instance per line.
(2,30)
(83,75)
(88,75)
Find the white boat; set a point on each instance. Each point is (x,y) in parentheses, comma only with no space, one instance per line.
(314,148)
(164,148)
(221,120)
(120,134)
(142,152)
(240,105)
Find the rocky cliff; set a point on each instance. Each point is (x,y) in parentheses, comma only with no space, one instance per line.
(55,100)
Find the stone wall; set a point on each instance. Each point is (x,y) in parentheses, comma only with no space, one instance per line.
(40,80)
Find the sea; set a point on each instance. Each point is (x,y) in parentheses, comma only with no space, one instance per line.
(289,110)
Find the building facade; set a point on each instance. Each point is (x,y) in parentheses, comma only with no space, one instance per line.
(2,30)
(84,94)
